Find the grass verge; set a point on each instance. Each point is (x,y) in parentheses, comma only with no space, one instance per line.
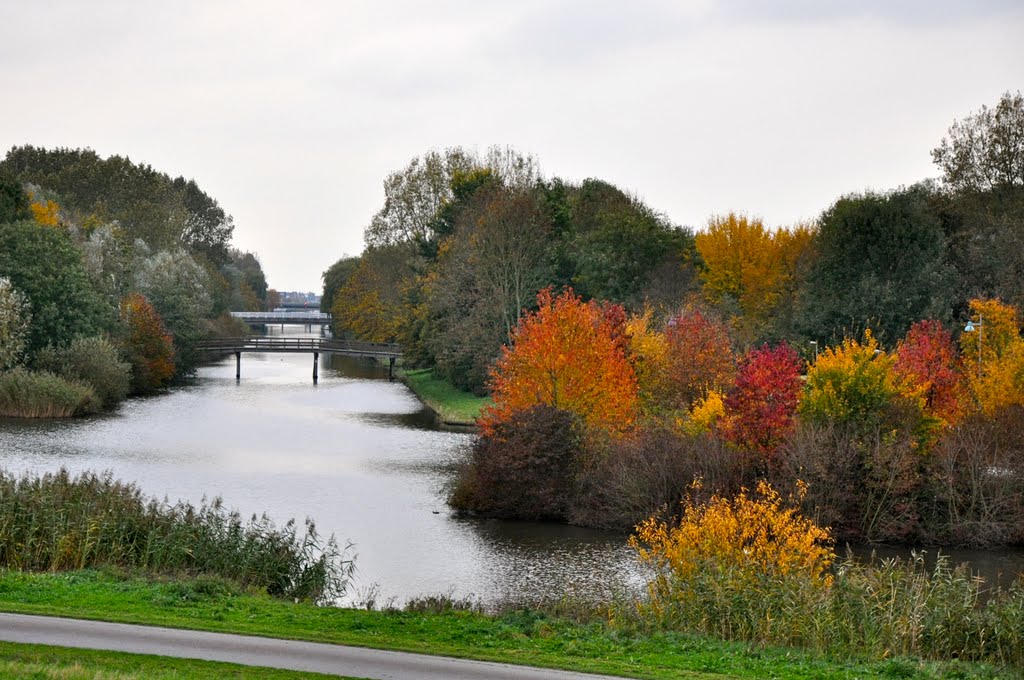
(517,636)
(452,405)
(39,661)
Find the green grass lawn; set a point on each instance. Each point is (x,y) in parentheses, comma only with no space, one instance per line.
(38,661)
(526,637)
(451,404)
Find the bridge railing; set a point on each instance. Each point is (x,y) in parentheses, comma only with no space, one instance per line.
(298,316)
(276,344)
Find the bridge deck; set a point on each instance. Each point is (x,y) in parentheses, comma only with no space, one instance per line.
(304,318)
(314,345)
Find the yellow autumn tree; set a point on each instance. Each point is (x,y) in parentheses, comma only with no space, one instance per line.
(992,355)
(44,211)
(648,352)
(749,268)
(854,383)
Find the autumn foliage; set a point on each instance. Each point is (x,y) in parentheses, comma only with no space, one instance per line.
(147,344)
(993,356)
(754,532)
(730,558)
(761,406)
(570,356)
(926,361)
(700,357)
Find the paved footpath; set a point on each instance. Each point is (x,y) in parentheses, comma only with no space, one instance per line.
(258,651)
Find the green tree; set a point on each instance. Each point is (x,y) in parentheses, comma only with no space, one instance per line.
(611,244)
(880,263)
(13,201)
(46,267)
(487,275)
(985,150)
(178,288)
(15,320)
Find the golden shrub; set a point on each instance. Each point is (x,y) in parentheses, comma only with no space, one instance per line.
(752,536)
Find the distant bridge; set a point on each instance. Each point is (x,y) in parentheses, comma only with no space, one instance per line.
(293,317)
(236,346)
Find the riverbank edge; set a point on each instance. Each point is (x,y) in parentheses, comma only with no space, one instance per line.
(451,406)
(433,626)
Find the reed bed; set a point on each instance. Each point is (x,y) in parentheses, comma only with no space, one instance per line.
(57,522)
(25,394)
(892,608)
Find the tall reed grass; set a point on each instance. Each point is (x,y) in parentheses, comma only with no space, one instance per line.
(874,610)
(60,522)
(25,394)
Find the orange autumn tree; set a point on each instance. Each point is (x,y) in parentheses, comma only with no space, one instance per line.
(568,354)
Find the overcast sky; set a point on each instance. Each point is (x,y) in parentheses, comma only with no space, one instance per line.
(291,114)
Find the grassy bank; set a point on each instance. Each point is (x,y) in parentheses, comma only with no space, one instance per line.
(38,661)
(452,405)
(517,636)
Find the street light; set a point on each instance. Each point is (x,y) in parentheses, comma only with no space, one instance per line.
(815,343)
(969,328)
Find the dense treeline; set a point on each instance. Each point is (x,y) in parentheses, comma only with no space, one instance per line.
(627,355)
(110,272)
(464,242)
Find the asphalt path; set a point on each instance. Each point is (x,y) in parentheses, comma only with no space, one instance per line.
(268,652)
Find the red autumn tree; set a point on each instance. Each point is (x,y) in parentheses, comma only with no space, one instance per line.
(147,344)
(700,358)
(568,355)
(926,363)
(761,406)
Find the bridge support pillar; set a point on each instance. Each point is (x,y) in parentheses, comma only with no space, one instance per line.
(316,366)
(391,368)
(238,366)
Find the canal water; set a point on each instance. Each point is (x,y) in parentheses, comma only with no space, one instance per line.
(356,453)
(360,456)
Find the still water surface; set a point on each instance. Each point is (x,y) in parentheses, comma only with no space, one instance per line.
(361,457)
(356,453)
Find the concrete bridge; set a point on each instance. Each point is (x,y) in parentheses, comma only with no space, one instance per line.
(237,346)
(285,317)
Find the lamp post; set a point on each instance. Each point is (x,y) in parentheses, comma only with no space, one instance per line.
(814,343)
(969,328)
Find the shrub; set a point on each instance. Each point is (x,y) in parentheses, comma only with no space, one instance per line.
(975,481)
(862,481)
(649,472)
(524,467)
(732,567)
(25,394)
(57,522)
(93,361)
